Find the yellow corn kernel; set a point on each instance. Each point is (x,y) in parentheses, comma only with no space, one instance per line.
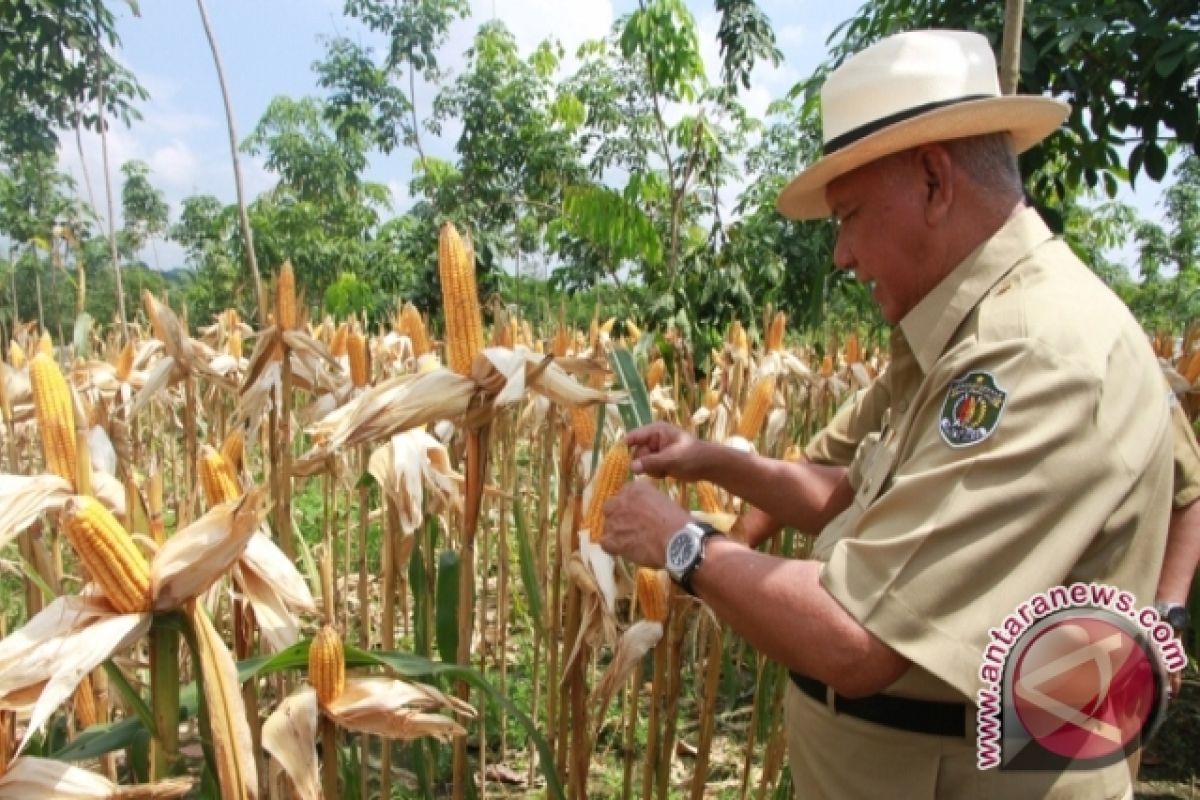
(632,331)
(55,415)
(327,665)
(45,344)
(583,422)
(607,325)
(16,356)
(84,704)
(108,554)
(285,298)
(776,331)
(460,301)
(233,345)
(653,593)
(654,373)
(610,477)
(754,414)
(217,477)
(234,450)
(8,720)
(737,337)
(412,325)
(711,398)
(356,350)
(708,497)
(124,364)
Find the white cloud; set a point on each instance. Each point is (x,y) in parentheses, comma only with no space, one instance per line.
(175,164)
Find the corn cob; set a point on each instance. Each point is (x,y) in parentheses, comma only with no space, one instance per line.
(776,331)
(607,325)
(55,415)
(754,414)
(653,593)
(655,372)
(610,477)
(632,330)
(711,398)
(337,347)
(526,337)
(45,344)
(356,350)
(583,422)
(217,477)
(708,498)
(16,356)
(413,326)
(125,362)
(561,343)
(460,301)
(108,554)
(84,704)
(8,720)
(233,345)
(826,366)
(737,337)
(327,665)
(234,450)
(285,298)
(853,350)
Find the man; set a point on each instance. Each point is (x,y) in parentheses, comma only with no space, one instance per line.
(1026,444)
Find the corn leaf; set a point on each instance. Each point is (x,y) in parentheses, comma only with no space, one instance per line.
(529,578)
(635,411)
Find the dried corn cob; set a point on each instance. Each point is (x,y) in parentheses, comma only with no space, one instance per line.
(337,347)
(460,301)
(708,497)
(632,330)
(108,554)
(16,356)
(356,350)
(561,342)
(327,665)
(754,414)
(610,477)
(853,350)
(45,344)
(413,326)
(84,704)
(234,450)
(654,373)
(217,477)
(125,362)
(233,345)
(285,298)
(55,415)
(583,422)
(776,331)
(653,593)
(8,720)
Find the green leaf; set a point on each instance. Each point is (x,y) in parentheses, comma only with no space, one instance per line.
(533,589)
(446,613)
(635,411)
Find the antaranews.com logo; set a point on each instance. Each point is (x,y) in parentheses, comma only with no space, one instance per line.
(1074,678)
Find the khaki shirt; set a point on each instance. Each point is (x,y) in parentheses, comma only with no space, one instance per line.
(1072,482)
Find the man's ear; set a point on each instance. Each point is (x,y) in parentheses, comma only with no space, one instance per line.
(937,172)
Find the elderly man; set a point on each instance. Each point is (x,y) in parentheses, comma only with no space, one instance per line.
(1025,444)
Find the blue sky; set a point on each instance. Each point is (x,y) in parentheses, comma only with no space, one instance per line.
(268,47)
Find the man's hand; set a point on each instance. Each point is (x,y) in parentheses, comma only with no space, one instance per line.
(638,522)
(661,450)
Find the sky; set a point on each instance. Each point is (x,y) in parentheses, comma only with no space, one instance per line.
(268,47)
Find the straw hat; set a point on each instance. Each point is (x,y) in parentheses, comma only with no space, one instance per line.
(907,90)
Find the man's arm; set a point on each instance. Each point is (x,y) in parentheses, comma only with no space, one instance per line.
(1181,556)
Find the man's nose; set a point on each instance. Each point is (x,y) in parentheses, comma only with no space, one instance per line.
(842,258)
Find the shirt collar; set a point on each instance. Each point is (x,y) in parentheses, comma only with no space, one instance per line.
(929,326)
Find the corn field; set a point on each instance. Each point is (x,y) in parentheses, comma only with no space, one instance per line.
(355,563)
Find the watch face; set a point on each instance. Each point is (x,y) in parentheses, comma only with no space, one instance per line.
(1177,617)
(681,550)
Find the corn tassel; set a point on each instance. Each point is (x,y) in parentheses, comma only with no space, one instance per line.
(356,350)
(285,298)
(757,404)
(56,416)
(610,477)
(708,497)
(460,301)
(653,593)
(217,477)
(108,554)
(327,665)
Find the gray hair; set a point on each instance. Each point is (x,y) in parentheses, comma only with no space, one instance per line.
(989,160)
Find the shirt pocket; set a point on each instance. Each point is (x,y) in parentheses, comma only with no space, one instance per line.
(872,469)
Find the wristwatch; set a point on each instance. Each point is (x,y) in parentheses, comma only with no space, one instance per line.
(685,552)
(1174,614)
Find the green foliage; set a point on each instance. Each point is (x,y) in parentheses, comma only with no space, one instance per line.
(143,208)
(745,36)
(348,296)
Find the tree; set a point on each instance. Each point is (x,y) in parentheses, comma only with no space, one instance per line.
(55,59)
(143,209)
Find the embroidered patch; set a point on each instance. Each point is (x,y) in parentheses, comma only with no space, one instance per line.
(972,409)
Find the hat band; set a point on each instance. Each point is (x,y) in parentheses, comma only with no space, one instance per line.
(863,131)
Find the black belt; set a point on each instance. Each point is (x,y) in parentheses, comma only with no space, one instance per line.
(918,716)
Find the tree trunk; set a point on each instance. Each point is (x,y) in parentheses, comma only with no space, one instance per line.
(112,231)
(1010,49)
(244,218)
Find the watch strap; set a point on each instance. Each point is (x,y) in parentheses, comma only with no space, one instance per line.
(685,580)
